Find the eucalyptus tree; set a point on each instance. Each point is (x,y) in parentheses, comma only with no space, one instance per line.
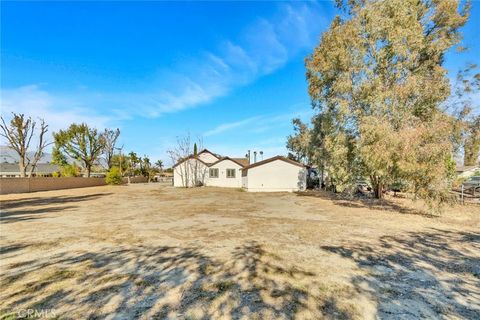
(377,80)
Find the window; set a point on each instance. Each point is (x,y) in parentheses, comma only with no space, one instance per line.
(213,173)
(230,173)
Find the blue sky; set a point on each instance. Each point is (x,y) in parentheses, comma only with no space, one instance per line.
(230,73)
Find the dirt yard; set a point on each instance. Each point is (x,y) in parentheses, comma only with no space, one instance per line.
(147,251)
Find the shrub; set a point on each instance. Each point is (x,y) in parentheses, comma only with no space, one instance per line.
(70,170)
(113,176)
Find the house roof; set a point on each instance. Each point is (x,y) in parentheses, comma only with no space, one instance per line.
(240,161)
(465,168)
(243,161)
(41,167)
(187,158)
(282,158)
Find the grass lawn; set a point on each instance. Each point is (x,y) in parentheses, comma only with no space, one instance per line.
(150,251)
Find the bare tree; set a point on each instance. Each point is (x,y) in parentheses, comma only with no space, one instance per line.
(181,152)
(191,171)
(19,134)
(111,137)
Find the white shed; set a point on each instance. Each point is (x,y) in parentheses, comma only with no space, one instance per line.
(275,174)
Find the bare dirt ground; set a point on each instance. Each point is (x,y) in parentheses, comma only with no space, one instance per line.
(149,251)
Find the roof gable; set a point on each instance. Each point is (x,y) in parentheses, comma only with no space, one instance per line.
(235,160)
(208,151)
(282,158)
(188,158)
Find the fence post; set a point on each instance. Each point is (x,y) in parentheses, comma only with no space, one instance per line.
(463,201)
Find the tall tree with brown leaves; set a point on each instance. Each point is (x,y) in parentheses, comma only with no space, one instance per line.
(377,79)
(299,142)
(465,108)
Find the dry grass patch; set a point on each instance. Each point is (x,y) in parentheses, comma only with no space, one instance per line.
(148,251)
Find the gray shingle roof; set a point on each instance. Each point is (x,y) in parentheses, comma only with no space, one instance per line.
(41,167)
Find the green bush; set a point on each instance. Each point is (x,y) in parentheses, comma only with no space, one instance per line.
(113,176)
(70,170)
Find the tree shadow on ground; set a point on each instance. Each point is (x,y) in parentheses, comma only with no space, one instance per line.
(364,202)
(430,274)
(169,282)
(11,248)
(29,208)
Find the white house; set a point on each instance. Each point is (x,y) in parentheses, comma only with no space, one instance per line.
(274,175)
(190,172)
(210,169)
(226,172)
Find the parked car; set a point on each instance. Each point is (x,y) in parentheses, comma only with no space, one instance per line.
(472,182)
(398,186)
(363,186)
(313,179)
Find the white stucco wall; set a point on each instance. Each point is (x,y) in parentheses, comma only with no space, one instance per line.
(189,173)
(245,179)
(222,180)
(207,157)
(276,176)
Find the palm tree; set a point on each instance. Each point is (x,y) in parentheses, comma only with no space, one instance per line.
(159,165)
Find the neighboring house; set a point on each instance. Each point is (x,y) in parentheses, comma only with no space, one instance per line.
(466,171)
(11,170)
(210,169)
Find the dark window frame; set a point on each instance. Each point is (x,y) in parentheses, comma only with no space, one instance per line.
(213,170)
(231,176)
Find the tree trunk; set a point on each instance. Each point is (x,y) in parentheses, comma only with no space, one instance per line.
(23,169)
(32,169)
(378,190)
(89,169)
